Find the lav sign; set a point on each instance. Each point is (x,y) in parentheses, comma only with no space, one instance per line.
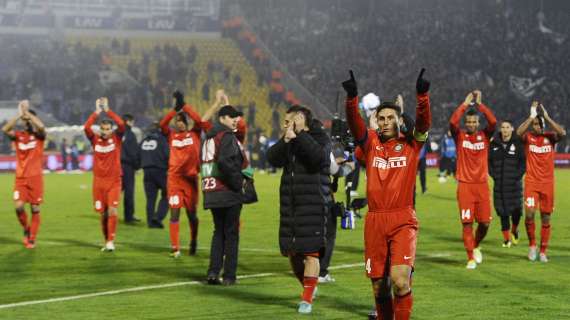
(88,22)
(161,24)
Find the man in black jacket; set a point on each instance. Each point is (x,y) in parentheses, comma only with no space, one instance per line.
(507,166)
(305,196)
(130,164)
(154,162)
(223,159)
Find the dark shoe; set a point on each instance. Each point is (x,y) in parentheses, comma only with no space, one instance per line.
(372,315)
(229,282)
(192,250)
(155,224)
(214,280)
(133,221)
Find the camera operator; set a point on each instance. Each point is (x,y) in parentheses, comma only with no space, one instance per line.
(305,196)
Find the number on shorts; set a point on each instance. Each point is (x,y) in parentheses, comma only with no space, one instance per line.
(530,202)
(465,214)
(368,266)
(209,183)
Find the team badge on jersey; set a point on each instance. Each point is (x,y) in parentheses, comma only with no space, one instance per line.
(546,141)
(398,147)
(479,138)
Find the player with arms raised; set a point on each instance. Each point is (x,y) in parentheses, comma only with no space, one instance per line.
(391,227)
(539,179)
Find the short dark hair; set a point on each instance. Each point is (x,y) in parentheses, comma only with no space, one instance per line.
(471,112)
(389,105)
(509,121)
(305,111)
(182,117)
(32,112)
(105,121)
(128,117)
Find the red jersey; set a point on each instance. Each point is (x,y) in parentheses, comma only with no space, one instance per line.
(106,152)
(391,166)
(539,150)
(184,146)
(472,149)
(29,153)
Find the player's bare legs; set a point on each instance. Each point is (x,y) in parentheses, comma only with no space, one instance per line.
(544,235)
(194,222)
(530,231)
(382,289)
(174,232)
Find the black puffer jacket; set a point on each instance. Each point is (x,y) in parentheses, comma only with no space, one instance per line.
(506,167)
(305,190)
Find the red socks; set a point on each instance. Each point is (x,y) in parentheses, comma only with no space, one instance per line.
(544,237)
(403,306)
(22,218)
(111,227)
(35,225)
(174,235)
(309,285)
(104,220)
(530,230)
(468,241)
(506,235)
(384,308)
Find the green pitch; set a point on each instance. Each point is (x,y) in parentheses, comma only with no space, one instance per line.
(67,263)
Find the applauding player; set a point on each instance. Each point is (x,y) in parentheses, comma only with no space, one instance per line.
(106,168)
(472,171)
(391,227)
(29,185)
(539,179)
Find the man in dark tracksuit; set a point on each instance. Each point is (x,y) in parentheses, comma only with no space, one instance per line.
(305,196)
(507,167)
(154,162)
(223,159)
(130,164)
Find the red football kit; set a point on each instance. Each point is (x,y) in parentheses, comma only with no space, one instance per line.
(539,179)
(391,227)
(29,184)
(184,161)
(106,163)
(472,166)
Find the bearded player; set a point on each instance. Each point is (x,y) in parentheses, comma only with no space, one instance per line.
(539,179)
(391,227)
(106,168)
(473,194)
(29,184)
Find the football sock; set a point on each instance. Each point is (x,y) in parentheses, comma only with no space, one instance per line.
(544,237)
(174,237)
(22,217)
(35,225)
(111,228)
(480,234)
(403,306)
(194,221)
(309,285)
(506,235)
(104,219)
(530,230)
(468,241)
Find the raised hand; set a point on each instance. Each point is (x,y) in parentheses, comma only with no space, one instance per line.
(468,99)
(422,85)
(219,96)
(541,111)
(350,86)
(533,109)
(289,134)
(23,107)
(98,108)
(299,122)
(178,100)
(400,102)
(105,104)
(477,94)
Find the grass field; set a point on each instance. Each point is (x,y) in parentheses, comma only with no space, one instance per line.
(67,263)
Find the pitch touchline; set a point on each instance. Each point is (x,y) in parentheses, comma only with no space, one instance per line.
(144,288)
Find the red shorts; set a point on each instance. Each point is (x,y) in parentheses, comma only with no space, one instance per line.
(474,202)
(389,240)
(106,193)
(539,195)
(29,190)
(182,192)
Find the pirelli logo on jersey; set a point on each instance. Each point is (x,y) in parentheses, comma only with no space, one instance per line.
(104,149)
(537,149)
(27,146)
(473,146)
(182,143)
(394,162)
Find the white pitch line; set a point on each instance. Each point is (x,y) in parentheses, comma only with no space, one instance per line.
(144,288)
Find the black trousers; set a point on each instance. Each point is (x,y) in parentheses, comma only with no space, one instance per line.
(128,192)
(514,215)
(154,181)
(354,177)
(422,171)
(325,260)
(225,242)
